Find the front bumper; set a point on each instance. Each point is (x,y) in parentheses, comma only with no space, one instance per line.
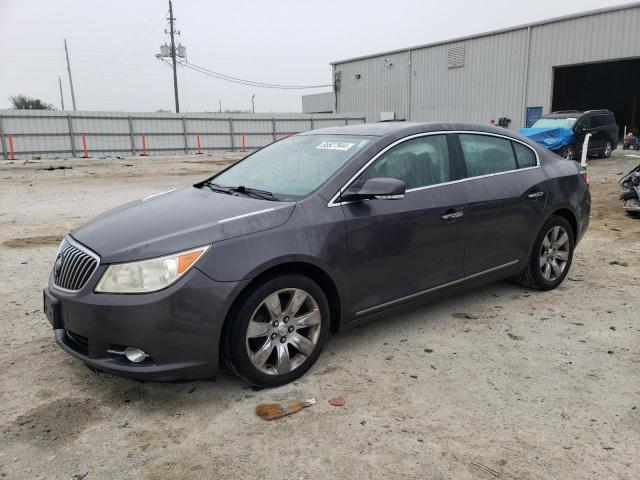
(178,327)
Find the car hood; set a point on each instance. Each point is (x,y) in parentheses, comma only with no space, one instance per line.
(177,220)
(549,137)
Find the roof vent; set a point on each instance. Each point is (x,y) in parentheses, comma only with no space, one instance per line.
(455,56)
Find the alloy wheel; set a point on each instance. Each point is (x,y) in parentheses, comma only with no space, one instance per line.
(283,331)
(607,149)
(554,253)
(569,152)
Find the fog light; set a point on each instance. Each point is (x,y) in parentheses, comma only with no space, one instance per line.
(134,355)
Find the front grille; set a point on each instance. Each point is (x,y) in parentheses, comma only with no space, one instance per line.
(73,266)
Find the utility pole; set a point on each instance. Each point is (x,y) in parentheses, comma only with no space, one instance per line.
(61,95)
(173,57)
(253,105)
(220,105)
(73,96)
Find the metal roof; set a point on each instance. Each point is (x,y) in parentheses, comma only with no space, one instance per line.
(494,32)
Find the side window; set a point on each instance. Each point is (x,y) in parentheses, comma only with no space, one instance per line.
(597,121)
(584,122)
(418,162)
(484,154)
(526,157)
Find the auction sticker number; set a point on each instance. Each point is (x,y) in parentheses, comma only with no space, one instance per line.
(342,146)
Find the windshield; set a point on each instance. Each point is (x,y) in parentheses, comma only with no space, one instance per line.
(294,167)
(555,123)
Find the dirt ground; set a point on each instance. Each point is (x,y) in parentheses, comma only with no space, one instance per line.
(498,382)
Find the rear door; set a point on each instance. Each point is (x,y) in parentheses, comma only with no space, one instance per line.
(400,248)
(506,194)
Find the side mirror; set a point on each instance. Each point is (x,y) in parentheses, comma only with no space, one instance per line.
(378,188)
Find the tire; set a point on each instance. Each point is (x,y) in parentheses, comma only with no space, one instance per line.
(568,152)
(534,276)
(253,346)
(607,149)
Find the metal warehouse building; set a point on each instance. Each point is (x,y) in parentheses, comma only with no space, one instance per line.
(583,61)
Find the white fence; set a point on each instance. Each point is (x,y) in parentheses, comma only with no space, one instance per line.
(27,133)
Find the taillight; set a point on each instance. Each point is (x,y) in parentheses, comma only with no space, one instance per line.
(585,177)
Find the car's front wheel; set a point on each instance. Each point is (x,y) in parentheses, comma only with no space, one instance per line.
(606,150)
(551,256)
(278,331)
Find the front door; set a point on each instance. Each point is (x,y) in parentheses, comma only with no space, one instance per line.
(400,248)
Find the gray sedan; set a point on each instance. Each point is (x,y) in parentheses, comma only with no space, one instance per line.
(256,265)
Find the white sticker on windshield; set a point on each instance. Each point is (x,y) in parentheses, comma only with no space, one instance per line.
(343,146)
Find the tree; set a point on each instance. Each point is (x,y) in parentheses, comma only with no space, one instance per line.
(22,102)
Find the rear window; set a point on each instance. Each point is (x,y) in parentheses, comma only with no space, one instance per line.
(484,154)
(526,157)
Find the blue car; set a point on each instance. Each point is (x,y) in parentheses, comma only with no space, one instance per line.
(564,132)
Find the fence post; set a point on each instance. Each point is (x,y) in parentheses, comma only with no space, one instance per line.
(131,138)
(273,128)
(3,140)
(231,133)
(346,121)
(71,136)
(311,122)
(184,133)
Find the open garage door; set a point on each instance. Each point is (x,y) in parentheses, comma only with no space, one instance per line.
(611,85)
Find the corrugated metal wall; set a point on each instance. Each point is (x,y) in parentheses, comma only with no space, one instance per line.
(60,134)
(496,79)
(318,103)
(381,86)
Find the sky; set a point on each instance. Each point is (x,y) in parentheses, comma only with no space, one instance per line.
(113,43)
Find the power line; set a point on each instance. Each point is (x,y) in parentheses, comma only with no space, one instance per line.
(251,83)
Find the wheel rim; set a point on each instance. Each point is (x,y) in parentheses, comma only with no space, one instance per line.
(554,253)
(569,153)
(283,331)
(607,149)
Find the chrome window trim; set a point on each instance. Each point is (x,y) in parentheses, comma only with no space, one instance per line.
(433,289)
(333,202)
(83,249)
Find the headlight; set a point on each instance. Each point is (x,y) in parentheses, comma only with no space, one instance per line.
(148,275)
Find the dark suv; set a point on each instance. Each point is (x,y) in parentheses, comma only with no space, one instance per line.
(563,132)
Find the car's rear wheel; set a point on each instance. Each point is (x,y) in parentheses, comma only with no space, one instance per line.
(551,256)
(606,150)
(278,331)
(568,152)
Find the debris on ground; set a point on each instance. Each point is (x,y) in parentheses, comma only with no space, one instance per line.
(273,411)
(336,401)
(617,262)
(79,476)
(515,337)
(56,167)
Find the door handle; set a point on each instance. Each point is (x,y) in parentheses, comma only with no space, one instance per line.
(535,194)
(451,215)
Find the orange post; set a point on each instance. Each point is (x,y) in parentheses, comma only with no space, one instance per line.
(242,149)
(198,142)
(84,147)
(11,152)
(144,146)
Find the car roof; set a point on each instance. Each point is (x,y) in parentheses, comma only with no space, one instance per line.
(401,129)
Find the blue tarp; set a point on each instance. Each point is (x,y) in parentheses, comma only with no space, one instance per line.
(552,138)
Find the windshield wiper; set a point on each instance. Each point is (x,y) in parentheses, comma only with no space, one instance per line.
(217,188)
(254,192)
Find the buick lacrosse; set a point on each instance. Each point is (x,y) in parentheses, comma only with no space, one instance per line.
(258,264)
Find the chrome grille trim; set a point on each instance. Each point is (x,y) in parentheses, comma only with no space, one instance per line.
(78,265)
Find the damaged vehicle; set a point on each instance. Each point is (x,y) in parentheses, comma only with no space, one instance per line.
(630,196)
(563,132)
(258,264)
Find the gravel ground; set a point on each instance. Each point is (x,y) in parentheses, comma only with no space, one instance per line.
(498,382)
